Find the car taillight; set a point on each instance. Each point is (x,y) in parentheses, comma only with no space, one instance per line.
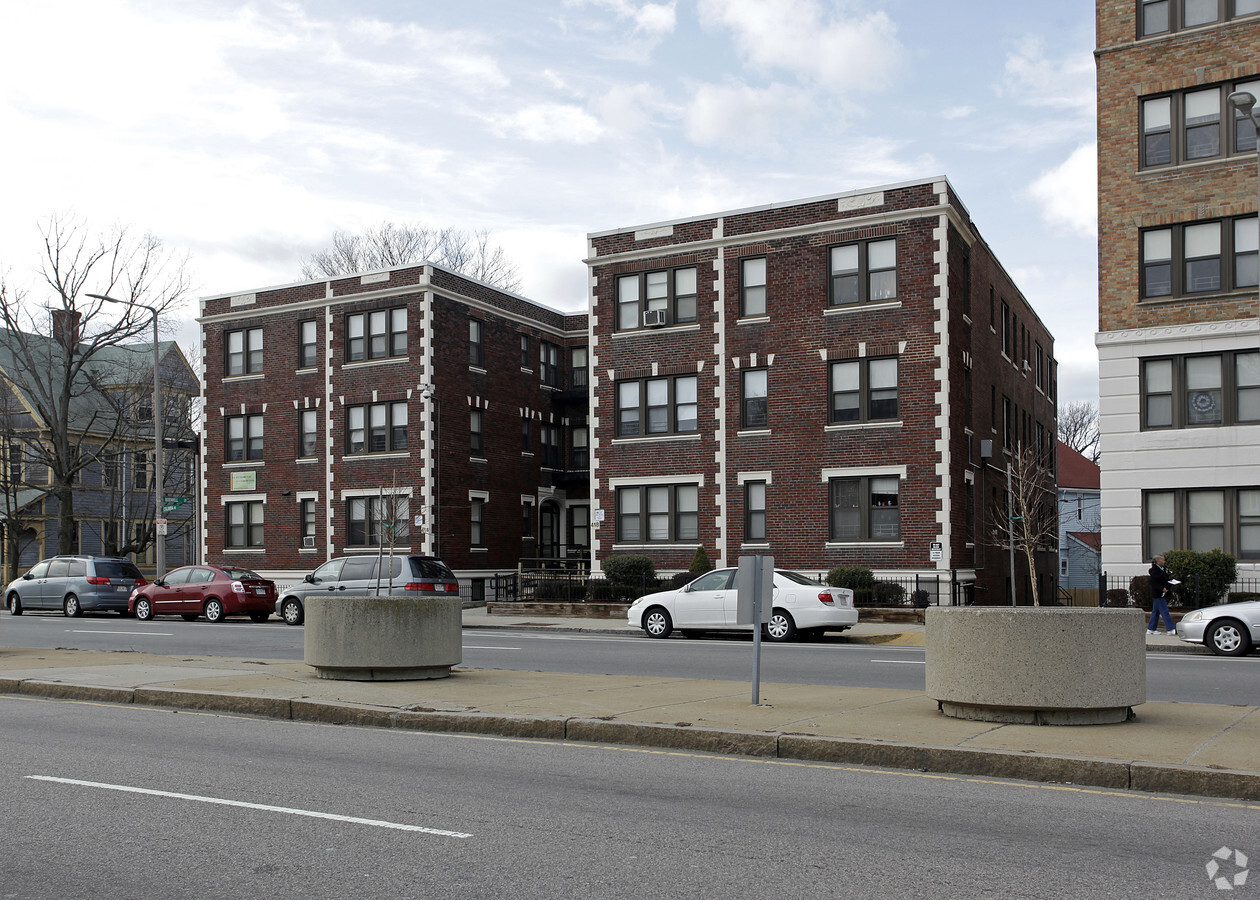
(452,588)
(825,597)
(419,586)
(140,582)
(96,579)
(238,588)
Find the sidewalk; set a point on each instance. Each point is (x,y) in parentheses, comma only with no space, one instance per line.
(1181,748)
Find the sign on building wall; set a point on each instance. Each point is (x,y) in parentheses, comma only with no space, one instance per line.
(244,481)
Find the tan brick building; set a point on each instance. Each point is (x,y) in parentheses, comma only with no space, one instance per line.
(1178,341)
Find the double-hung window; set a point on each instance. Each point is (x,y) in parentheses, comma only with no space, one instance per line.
(754,511)
(306,520)
(866,508)
(476,432)
(477,521)
(476,351)
(244,524)
(663,297)
(755,399)
(657,406)
(1200,257)
(1202,520)
(752,285)
(244,438)
(579,452)
(1163,16)
(244,352)
(308,433)
(658,513)
(1195,124)
(1211,389)
(377,521)
(864,272)
(549,360)
(140,470)
(864,390)
(552,447)
(524,351)
(307,344)
(379,334)
(577,368)
(376,427)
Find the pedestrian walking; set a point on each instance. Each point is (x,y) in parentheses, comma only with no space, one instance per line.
(1160,581)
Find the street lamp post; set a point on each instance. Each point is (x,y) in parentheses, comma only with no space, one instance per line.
(159,500)
(1245,103)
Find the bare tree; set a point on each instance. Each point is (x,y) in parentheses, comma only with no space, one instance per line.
(58,352)
(389,245)
(1078,428)
(1026,518)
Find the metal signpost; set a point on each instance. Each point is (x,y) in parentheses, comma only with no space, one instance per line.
(754,586)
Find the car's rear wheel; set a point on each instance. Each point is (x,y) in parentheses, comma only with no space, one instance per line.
(657,623)
(780,627)
(1228,638)
(291,612)
(214,610)
(14,603)
(71,606)
(189,617)
(144,609)
(259,616)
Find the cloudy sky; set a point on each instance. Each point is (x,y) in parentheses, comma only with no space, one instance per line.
(244,133)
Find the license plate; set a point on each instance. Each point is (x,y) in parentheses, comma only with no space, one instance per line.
(261,592)
(125,587)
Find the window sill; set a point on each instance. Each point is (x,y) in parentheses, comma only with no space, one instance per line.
(396,454)
(656,439)
(308,549)
(244,549)
(1224,158)
(660,329)
(753,432)
(887,545)
(306,460)
(478,459)
(476,369)
(478,549)
(244,463)
(656,545)
(861,307)
(252,376)
(862,426)
(371,363)
(1248,293)
(753,320)
(306,370)
(757,546)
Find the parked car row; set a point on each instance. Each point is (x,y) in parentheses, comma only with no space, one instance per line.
(74,584)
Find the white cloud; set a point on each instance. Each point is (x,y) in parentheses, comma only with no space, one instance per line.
(1068,193)
(1034,80)
(957,112)
(556,123)
(750,119)
(650,19)
(843,50)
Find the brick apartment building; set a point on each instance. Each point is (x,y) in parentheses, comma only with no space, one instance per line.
(1179,346)
(414,404)
(831,381)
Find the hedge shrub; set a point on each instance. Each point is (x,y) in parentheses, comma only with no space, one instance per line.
(1205,577)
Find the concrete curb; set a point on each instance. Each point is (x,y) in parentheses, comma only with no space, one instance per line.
(1115,774)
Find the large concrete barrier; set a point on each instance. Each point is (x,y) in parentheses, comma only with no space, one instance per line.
(390,638)
(1036,665)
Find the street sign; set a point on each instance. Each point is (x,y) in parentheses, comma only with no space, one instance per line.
(936,552)
(161,526)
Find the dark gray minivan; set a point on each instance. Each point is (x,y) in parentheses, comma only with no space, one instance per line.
(367,574)
(74,584)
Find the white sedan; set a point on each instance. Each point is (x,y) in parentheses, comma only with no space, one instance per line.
(1230,629)
(709,604)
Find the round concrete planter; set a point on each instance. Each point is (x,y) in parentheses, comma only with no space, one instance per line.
(1036,665)
(392,638)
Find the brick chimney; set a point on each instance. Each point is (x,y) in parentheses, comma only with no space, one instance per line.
(65,326)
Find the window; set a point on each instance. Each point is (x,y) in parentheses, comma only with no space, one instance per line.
(1195,124)
(577,368)
(306,519)
(244,524)
(477,518)
(244,352)
(580,457)
(244,438)
(865,508)
(1162,16)
(754,404)
(14,468)
(658,513)
(524,351)
(1007,331)
(864,390)
(525,430)
(665,297)
(140,470)
(549,359)
(552,447)
(1189,391)
(580,526)
(376,427)
(865,272)
(754,511)
(379,334)
(109,470)
(476,353)
(476,432)
(1226,519)
(1063,566)
(376,521)
(1040,363)
(752,284)
(657,406)
(308,433)
(307,347)
(1200,257)
(1008,423)
(527,517)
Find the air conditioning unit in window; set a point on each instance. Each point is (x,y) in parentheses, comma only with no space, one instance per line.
(653,318)
(308,541)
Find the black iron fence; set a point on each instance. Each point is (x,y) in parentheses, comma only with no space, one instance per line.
(1194,592)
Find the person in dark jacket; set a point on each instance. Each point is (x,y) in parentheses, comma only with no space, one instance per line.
(1159,597)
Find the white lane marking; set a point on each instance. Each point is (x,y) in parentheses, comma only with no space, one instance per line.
(904,662)
(280,809)
(474,647)
(102,631)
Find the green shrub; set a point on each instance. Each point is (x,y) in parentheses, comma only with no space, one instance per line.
(566,589)
(700,562)
(1119,596)
(1205,577)
(921,599)
(1243,596)
(629,569)
(608,592)
(681,579)
(855,577)
(1139,590)
(889,593)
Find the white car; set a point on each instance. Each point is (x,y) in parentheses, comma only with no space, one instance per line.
(1230,629)
(709,604)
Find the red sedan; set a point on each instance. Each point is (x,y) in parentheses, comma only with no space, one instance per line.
(213,591)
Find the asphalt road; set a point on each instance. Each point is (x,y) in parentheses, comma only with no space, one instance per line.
(1186,678)
(120,802)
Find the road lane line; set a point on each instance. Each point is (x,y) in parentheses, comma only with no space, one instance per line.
(474,647)
(904,662)
(93,631)
(280,809)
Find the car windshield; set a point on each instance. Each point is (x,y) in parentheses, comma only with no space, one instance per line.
(798,578)
(116,568)
(242,574)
